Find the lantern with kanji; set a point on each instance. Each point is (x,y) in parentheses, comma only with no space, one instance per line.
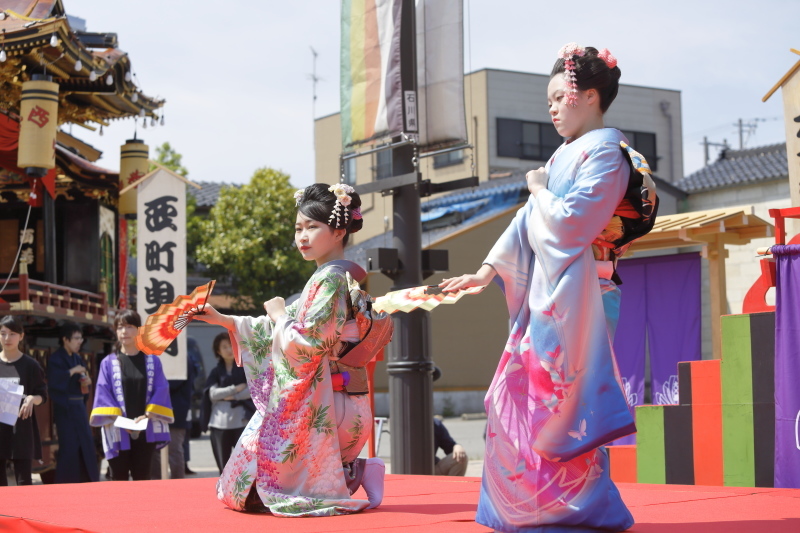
(133,166)
(38,125)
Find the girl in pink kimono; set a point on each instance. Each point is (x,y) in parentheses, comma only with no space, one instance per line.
(298,455)
(556,397)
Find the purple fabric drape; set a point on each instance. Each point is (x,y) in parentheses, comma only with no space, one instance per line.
(660,302)
(629,341)
(787,366)
(673,321)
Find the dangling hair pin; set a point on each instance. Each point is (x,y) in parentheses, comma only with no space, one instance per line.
(567,52)
(342,191)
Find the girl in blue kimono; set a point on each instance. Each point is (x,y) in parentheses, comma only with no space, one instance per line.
(131,384)
(67,380)
(556,397)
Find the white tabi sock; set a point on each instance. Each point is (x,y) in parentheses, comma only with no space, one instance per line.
(374,473)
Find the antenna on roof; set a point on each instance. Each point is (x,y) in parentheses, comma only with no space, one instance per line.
(314,79)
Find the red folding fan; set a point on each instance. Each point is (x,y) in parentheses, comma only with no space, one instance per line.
(163,326)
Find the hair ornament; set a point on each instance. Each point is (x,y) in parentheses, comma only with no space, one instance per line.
(298,196)
(357,213)
(342,191)
(606,56)
(567,52)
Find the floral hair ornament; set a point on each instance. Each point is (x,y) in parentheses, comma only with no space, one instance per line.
(567,52)
(606,56)
(298,196)
(342,191)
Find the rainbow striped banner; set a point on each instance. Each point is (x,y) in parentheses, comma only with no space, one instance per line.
(371,90)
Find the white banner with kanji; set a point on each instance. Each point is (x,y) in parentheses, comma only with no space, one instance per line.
(161,255)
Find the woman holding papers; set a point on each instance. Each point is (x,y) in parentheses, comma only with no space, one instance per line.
(19,439)
(131,404)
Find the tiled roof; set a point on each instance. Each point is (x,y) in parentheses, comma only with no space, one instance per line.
(504,193)
(739,167)
(207,196)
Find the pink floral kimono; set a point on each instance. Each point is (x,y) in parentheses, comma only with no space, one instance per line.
(289,459)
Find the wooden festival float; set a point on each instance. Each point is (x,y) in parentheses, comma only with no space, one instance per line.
(62,238)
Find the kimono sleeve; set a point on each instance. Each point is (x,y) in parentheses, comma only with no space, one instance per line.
(317,327)
(106,408)
(571,223)
(251,337)
(512,259)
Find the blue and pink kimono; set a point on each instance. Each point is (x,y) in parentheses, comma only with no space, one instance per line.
(556,397)
(109,403)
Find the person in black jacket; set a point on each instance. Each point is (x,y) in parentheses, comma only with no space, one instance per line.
(68,385)
(20,443)
(227,406)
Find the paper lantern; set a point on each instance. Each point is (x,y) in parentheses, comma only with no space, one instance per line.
(39,125)
(134,164)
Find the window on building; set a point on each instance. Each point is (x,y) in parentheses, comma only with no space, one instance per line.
(526,140)
(645,144)
(350,171)
(448,159)
(383,164)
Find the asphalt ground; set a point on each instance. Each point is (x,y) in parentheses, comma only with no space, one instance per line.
(467,433)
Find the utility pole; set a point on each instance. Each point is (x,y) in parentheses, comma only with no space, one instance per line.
(741,135)
(706,144)
(409,364)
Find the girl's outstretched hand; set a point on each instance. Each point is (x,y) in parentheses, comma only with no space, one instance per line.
(212,316)
(481,278)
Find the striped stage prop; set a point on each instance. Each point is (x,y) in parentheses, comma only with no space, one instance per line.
(723,430)
(748,399)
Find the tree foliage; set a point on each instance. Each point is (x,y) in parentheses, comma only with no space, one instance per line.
(168,157)
(249,238)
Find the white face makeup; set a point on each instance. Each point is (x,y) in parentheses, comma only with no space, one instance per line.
(316,240)
(571,122)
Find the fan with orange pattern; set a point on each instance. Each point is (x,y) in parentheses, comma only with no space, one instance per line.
(163,326)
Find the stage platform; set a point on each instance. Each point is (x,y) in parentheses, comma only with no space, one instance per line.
(411,504)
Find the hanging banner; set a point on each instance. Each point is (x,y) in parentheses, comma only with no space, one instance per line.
(630,343)
(108,254)
(161,255)
(440,72)
(122,302)
(370,91)
(787,367)
(674,311)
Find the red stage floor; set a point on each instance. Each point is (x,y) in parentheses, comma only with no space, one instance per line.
(412,503)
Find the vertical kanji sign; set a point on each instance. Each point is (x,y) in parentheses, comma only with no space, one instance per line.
(791,114)
(161,255)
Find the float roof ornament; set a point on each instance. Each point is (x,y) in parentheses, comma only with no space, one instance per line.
(37,38)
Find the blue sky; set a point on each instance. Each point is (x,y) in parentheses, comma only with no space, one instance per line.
(236,75)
